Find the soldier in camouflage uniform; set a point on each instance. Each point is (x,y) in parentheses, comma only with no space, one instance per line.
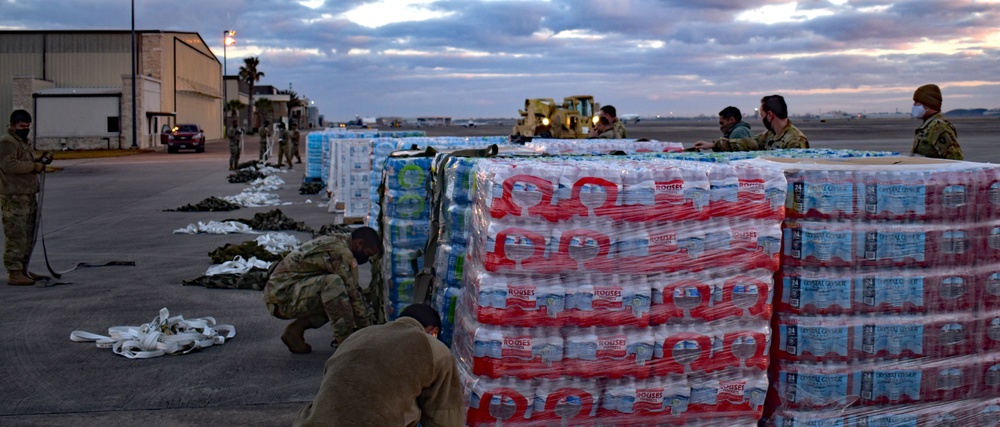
(293,139)
(283,145)
(233,133)
(781,133)
(617,127)
(19,169)
(318,283)
(265,133)
(936,137)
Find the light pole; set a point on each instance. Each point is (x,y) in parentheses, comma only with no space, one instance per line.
(135,132)
(228,38)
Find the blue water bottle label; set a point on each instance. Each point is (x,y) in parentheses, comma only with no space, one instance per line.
(817,340)
(891,384)
(895,245)
(893,339)
(820,292)
(891,290)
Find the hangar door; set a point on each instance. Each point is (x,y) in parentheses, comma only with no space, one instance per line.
(78,116)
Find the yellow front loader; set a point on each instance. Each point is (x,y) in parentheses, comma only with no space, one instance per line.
(543,118)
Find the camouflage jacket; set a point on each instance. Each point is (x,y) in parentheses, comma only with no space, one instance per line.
(233,134)
(619,130)
(293,136)
(789,137)
(936,137)
(17,165)
(319,256)
(264,133)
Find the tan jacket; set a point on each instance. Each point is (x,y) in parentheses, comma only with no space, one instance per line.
(18,170)
(390,375)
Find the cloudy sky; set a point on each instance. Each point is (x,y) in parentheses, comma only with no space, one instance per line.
(482,58)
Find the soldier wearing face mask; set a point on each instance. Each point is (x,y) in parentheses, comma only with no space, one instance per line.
(936,137)
(19,169)
(781,133)
(317,283)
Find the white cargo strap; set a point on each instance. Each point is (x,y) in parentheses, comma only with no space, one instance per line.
(267,183)
(276,242)
(216,227)
(238,266)
(163,335)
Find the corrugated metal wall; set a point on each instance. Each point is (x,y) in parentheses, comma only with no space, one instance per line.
(20,55)
(99,59)
(198,94)
(88,60)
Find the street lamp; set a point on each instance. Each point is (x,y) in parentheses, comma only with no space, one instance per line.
(228,38)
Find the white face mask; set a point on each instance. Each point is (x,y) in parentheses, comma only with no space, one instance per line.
(918,111)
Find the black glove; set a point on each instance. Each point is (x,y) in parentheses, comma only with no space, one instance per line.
(46,158)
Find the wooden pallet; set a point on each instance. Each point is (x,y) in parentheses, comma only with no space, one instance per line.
(354,220)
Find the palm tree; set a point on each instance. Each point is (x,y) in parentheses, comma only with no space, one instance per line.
(293,102)
(249,74)
(235,106)
(264,107)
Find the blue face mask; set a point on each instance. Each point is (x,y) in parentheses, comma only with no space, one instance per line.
(918,111)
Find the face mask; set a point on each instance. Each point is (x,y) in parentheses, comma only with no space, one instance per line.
(918,111)
(767,124)
(360,258)
(22,133)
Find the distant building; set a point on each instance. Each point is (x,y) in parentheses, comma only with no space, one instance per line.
(433,121)
(278,111)
(237,90)
(78,85)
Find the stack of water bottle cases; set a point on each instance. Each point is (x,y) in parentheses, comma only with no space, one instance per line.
(619,292)
(405,207)
(887,313)
(456,210)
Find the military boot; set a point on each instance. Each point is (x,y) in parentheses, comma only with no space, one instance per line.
(294,336)
(18,278)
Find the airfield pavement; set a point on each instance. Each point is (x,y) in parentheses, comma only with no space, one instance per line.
(99,210)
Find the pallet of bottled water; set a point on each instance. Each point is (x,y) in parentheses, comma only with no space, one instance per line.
(618,292)
(886,300)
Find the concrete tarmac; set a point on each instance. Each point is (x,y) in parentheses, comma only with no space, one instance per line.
(107,209)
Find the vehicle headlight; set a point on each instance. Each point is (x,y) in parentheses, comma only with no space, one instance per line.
(595,119)
(545,121)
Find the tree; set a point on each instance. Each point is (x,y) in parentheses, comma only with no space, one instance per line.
(264,107)
(250,74)
(293,102)
(235,106)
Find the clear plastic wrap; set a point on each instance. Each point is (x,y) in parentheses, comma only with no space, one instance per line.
(601,146)
(604,304)
(883,313)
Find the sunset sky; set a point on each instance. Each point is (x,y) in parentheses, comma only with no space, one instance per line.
(482,58)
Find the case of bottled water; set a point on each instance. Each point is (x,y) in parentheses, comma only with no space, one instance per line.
(883,312)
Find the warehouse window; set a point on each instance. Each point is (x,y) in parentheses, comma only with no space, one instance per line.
(113,126)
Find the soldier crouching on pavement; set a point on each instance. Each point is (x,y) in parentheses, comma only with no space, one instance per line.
(318,283)
(19,169)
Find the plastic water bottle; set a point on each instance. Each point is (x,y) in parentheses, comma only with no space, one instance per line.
(639,193)
(569,400)
(551,301)
(723,191)
(580,358)
(580,299)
